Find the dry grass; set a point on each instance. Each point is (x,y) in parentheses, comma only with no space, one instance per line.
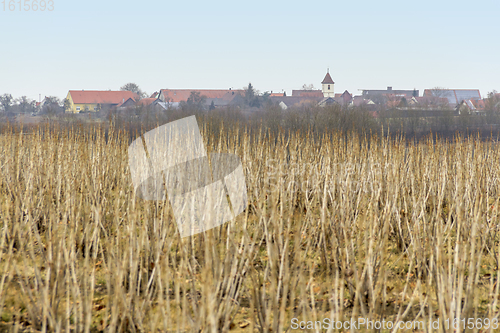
(335,228)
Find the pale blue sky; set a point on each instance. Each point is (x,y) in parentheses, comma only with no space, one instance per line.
(275,45)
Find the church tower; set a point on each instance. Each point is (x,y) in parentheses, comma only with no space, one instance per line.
(327,85)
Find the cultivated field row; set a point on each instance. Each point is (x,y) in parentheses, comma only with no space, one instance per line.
(338,227)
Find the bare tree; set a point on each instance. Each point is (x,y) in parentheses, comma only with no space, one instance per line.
(439,94)
(438,91)
(493,101)
(308,87)
(25,105)
(51,106)
(6,102)
(133,88)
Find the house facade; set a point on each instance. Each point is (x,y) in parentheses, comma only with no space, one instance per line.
(96,100)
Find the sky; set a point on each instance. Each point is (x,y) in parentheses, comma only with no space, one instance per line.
(275,45)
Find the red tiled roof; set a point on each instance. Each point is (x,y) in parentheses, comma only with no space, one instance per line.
(454,96)
(101,96)
(360,100)
(277,94)
(327,79)
(146,101)
(178,95)
(431,100)
(346,97)
(294,100)
(346,93)
(307,93)
(478,103)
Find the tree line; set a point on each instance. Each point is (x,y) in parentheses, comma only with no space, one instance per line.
(10,106)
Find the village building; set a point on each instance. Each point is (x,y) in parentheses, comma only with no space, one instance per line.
(322,97)
(96,100)
(344,98)
(327,85)
(455,96)
(308,93)
(152,104)
(214,97)
(378,94)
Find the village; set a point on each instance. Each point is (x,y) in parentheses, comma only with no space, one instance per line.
(249,167)
(388,102)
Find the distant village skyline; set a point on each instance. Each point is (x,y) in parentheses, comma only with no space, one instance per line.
(277,46)
(131,96)
(310,86)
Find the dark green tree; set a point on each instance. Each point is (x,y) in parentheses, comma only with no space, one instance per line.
(195,102)
(67,105)
(251,97)
(403,103)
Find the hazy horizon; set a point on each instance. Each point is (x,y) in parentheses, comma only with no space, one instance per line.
(275,46)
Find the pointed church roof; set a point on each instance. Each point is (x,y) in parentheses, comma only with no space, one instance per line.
(327,79)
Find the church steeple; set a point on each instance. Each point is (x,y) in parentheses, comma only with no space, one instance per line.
(327,85)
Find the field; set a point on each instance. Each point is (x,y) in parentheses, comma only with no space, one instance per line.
(337,227)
